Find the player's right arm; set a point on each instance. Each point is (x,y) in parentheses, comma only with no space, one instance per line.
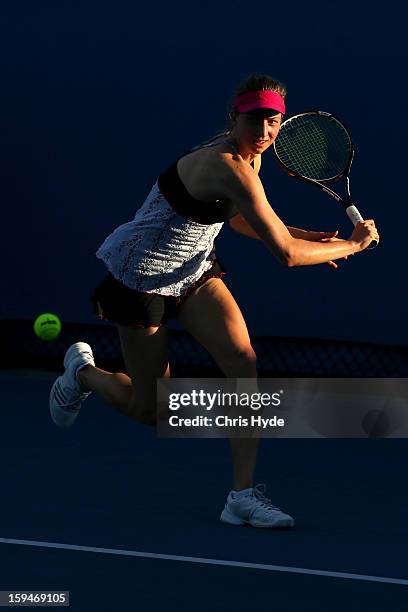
(241,185)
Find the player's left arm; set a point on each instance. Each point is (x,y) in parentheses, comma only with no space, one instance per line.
(312,236)
(240,225)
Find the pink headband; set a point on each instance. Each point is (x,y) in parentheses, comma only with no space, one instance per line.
(260,99)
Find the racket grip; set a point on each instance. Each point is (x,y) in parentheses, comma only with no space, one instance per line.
(353,214)
(355,217)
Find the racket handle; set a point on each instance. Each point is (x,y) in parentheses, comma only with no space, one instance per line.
(355,217)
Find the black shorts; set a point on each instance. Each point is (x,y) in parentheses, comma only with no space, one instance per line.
(114,302)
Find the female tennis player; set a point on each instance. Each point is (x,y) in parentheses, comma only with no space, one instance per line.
(162,265)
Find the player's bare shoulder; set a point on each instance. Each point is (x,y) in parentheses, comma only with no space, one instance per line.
(217,172)
(238,180)
(228,167)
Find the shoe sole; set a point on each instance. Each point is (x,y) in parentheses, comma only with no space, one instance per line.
(231,519)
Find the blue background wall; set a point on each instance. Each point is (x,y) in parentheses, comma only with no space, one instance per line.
(92,110)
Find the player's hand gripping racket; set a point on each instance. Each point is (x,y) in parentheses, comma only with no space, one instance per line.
(317,148)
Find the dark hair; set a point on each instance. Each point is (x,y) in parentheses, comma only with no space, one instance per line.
(254,82)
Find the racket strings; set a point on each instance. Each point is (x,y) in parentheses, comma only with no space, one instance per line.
(314,146)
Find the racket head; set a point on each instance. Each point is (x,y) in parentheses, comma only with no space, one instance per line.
(314,146)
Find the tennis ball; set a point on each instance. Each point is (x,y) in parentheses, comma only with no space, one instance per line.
(47,326)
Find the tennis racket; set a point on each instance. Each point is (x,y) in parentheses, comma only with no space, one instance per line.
(317,148)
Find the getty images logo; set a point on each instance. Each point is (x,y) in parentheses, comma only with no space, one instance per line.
(208,401)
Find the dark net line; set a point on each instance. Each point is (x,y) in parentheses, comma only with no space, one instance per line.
(277,356)
(314,146)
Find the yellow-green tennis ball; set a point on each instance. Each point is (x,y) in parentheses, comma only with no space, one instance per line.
(47,326)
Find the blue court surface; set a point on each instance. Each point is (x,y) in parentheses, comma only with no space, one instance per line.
(126,521)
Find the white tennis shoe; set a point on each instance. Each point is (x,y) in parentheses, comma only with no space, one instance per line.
(67,393)
(254,508)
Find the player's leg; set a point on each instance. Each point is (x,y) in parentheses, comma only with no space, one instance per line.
(144,352)
(145,356)
(212,316)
